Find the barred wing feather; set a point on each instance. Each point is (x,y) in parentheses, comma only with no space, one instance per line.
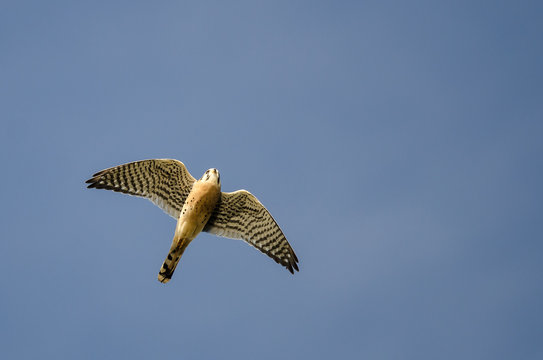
(166,182)
(239,215)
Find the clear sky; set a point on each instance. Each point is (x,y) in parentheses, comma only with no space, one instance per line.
(397,143)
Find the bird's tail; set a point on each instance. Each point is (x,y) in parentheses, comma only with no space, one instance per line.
(169,265)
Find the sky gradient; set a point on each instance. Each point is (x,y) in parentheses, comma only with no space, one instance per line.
(398,145)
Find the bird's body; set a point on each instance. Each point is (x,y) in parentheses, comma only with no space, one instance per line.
(197,210)
(198,205)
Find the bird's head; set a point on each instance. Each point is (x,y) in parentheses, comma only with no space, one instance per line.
(212,176)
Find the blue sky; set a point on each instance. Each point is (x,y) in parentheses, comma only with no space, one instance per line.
(398,144)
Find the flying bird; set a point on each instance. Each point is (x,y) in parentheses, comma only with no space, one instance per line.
(198,205)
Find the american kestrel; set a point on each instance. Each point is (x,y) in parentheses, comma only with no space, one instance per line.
(198,205)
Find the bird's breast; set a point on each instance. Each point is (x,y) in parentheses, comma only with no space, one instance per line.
(200,203)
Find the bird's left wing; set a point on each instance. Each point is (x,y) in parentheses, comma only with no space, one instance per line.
(239,215)
(166,182)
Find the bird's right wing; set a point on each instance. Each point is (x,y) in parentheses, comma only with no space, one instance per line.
(166,182)
(239,215)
